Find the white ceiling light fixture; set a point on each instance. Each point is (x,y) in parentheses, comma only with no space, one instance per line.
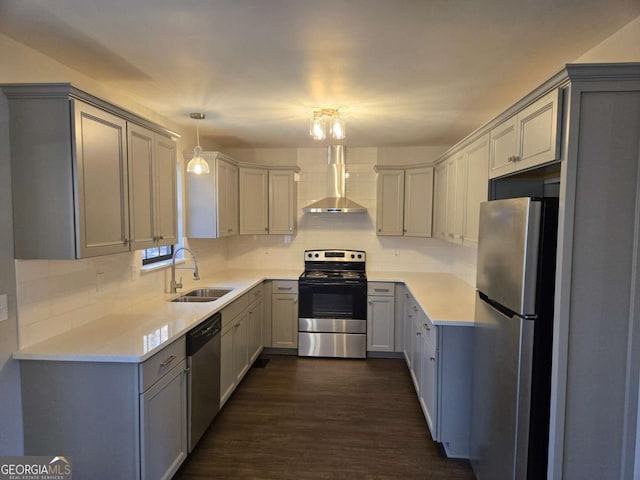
(197,165)
(327,116)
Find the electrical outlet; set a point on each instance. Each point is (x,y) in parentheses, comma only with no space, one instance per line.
(4,310)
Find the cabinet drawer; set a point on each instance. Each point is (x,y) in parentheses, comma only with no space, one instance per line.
(161,363)
(284,286)
(385,289)
(255,293)
(234,309)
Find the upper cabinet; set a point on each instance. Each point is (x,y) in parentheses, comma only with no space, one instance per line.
(404,201)
(152,188)
(88,178)
(529,138)
(282,202)
(212,199)
(461,184)
(254,205)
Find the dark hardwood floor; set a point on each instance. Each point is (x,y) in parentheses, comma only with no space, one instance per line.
(312,418)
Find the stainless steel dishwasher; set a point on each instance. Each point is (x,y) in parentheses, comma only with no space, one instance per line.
(203,362)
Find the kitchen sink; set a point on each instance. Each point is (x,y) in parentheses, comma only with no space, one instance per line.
(201,295)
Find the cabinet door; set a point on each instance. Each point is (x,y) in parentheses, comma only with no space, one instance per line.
(418,202)
(477,187)
(460,196)
(416,349)
(440,200)
(232,200)
(103,199)
(254,197)
(428,384)
(227,376)
(282,202)
(140,146)
(284,320)
(166,198)
(538,126)
(163,425)
(502,141)
(255,331)
(227,196)
(240,346)
(380,324)
(390,202)
(451,197)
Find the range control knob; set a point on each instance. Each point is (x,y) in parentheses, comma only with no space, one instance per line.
(317,255)
(309,255)
(359,255)
(353,256)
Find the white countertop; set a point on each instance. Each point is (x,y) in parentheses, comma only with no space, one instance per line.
(135,334)
(446,299)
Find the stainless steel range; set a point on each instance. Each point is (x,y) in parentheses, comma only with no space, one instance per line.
(332,304)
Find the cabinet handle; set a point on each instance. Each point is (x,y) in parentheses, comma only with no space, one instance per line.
(406,295)
(404,230)
(125,241)
(415,309)
(410,316)
(291,229)
(379,230)
(433,359)
(285,288)
(160,237)
(295,301)
(380,289)
(168,360)
(266,229)
(236,325)
(229,230)
(417,333)
(370,302)
(427,327)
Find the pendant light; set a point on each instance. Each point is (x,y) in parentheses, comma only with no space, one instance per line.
(331,117)
(197,164)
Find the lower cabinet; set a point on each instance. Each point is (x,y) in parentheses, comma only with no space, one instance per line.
(115,420)
(380,317)
(241,340)
(284,314)
(440,361)
(163,425)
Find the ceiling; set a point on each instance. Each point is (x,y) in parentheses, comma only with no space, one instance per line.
(410,72)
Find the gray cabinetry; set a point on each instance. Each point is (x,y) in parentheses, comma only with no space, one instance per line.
(71,176)
(529,138)
(439,359)
(115,420)
(282,202)
(254,205)
(404,201)
(212,199)
(284,314)
(152,188)
(380,317)
(241,340)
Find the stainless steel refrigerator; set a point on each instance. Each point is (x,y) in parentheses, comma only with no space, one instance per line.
(513,336)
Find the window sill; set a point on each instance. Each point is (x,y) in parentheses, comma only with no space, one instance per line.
(160,265)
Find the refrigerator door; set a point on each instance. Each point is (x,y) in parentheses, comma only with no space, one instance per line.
(508,252)
(503,349)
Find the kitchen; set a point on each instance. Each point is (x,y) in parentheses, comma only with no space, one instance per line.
(54,294)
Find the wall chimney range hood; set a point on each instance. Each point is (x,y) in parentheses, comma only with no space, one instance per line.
(335,201)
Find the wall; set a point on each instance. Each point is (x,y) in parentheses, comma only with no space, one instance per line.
(622,46)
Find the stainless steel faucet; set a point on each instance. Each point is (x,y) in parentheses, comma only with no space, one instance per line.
(174,286)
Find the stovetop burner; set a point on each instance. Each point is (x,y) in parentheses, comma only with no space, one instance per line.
(334,265)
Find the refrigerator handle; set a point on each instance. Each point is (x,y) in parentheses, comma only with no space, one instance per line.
(502,309)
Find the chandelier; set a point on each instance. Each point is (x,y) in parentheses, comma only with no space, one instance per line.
(327,118)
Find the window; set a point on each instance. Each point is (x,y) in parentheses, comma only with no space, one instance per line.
(156,254)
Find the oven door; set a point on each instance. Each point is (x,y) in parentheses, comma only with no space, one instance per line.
(337,300)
